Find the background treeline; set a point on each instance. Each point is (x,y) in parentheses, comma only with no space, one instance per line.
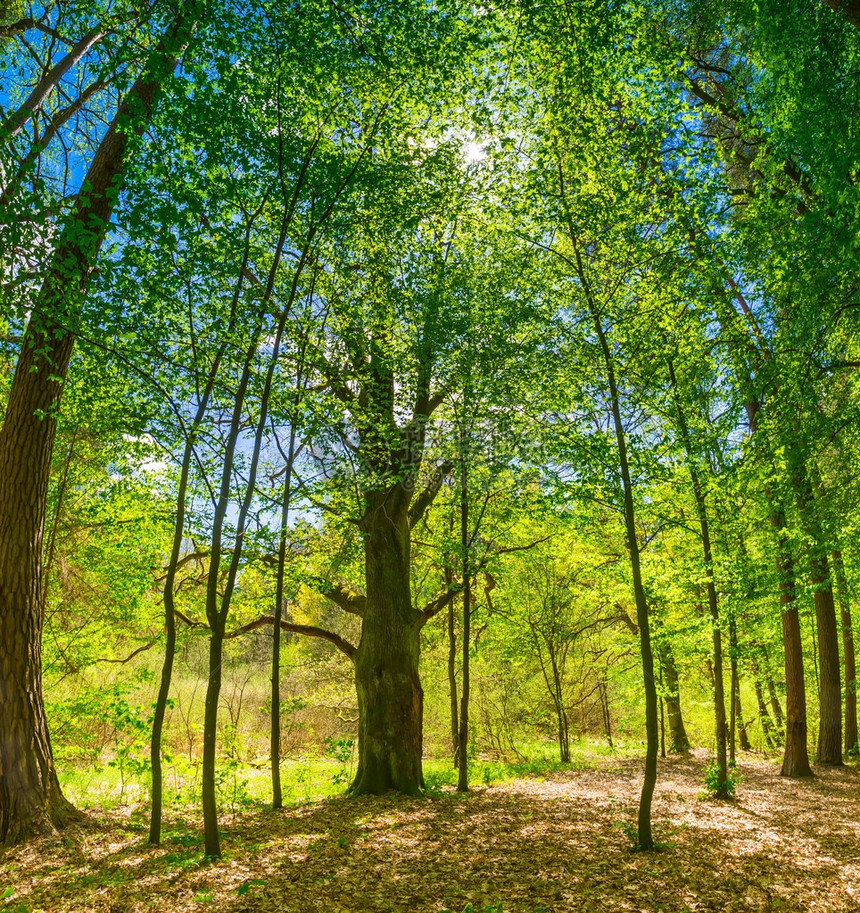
(383,381)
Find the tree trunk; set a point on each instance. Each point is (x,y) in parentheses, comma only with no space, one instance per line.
(662,730)
(30,798)
(679,743)
(743,735)
(644,834)
(390,698)
(275,733)
(795,759)
(211,835)
(452,675)
(776,707)
(830,685)
(848,654)
(604,703)
(764,716)
(737,712)
(463,741)
(830,725)
(708,558)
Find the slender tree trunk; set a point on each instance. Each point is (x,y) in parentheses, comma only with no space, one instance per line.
(645,836)
(463,770)
(795,761)
(707,554)
(662,730)
(743,735)
(30,797)
(275,734)
(830,685)
(764,716)
(848,654)
(452,686)
(603,684)
(776,707)
(173,563)
(211,834)
(679,743)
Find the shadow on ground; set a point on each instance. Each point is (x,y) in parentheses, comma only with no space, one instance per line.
(531,845)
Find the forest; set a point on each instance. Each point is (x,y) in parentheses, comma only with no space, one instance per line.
(430,455)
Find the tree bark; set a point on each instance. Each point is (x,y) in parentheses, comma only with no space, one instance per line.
(463,740)
(764,716)
(776,707)
(30,797)
(848,654)
(743,734)
(830,685)
(390,697)
(644,834)
(713,605)
(679,743)
(452,686)
(275,733)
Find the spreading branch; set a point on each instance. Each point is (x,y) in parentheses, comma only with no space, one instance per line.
(263,621)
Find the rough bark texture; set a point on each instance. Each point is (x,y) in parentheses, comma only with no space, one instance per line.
(795,762)
(390,698)
(830,725)
(848,654)
(30,798)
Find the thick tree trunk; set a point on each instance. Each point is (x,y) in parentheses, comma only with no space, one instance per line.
(30,798)
(390,698)
(830,725)
(679,743)
(848,654)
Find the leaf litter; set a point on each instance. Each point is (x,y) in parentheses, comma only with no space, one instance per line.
(531,845)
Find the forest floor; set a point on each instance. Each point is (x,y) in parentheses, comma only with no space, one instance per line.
(531,845)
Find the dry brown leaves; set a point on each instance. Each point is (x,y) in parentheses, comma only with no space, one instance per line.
(532,845)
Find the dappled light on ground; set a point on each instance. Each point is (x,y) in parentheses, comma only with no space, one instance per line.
(523,846)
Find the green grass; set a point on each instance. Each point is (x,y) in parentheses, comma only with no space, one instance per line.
(309,779)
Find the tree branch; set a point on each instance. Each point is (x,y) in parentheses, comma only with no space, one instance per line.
(423,502)
(343,645)
(341,595)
